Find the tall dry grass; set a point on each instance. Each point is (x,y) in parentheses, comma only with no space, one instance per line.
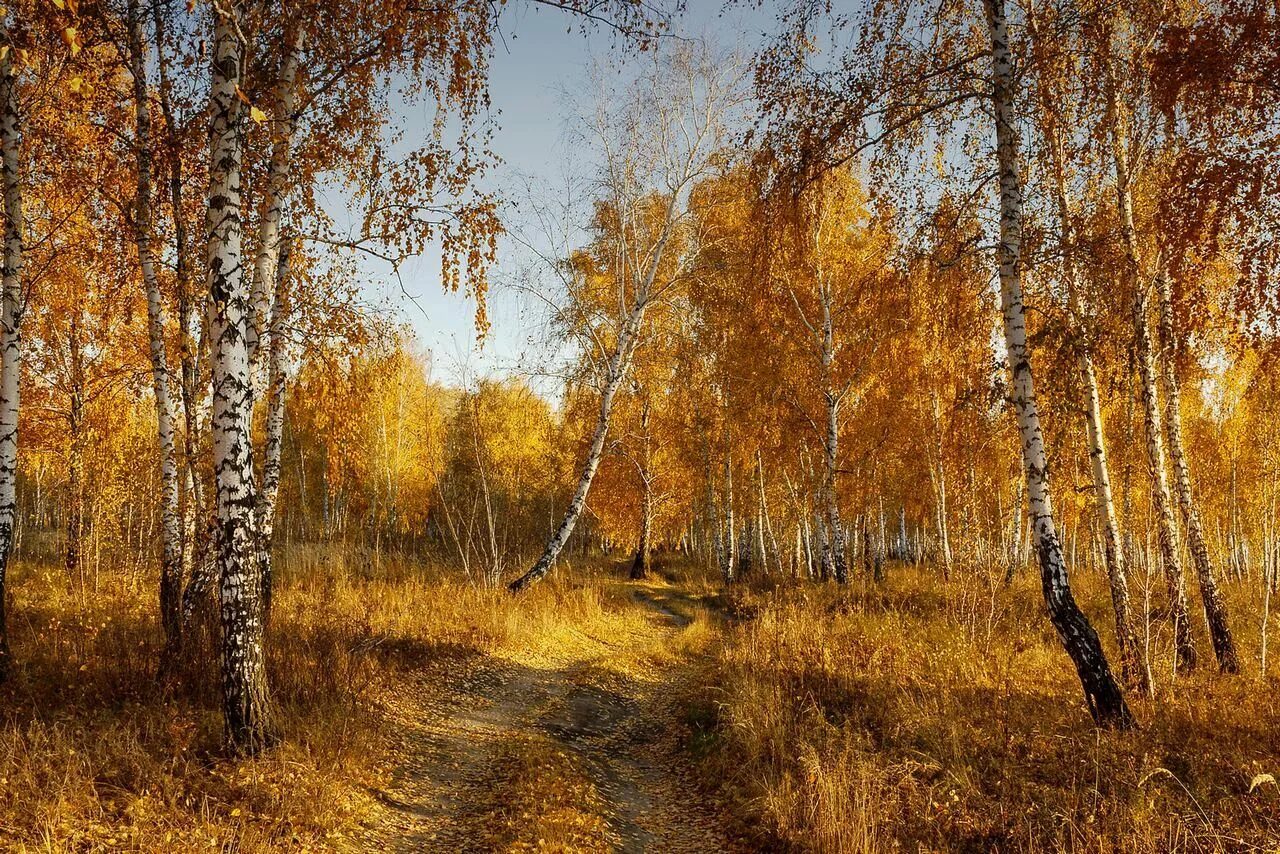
(97,755)
(932,715)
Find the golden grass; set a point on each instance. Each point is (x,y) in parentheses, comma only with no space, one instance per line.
(918,714)
(95,756)
(944,716)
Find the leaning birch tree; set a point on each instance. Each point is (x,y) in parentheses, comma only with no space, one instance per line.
(655,145)
(1102,694)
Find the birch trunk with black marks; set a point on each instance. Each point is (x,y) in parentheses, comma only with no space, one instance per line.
(728,544)
(11,307)
(1215,609)
(1133,661)
(1170,548)
(273,444)
(143,227)
(1102,694)
(75,452)
(279,170)
(616,370)
(246,696)
(833,543)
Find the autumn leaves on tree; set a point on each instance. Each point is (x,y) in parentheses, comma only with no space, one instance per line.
(821,310)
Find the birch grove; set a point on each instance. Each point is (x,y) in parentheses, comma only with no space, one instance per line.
(832,307)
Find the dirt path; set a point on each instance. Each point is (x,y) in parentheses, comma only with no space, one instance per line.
(583,755)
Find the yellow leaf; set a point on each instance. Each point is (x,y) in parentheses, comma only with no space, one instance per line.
(61,4)
(257,115)
(72,39)
(76,84)
(1260,779)
(235,812)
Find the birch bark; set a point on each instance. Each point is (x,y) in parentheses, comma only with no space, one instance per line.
(279,171)
(11,306)
(143,224)
(1133,664)
(246,697)
(1170,550)
(1215,609)
(640,566)
(274,442)
(1102,694)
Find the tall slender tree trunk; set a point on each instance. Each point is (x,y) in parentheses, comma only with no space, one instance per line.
(1132,271)
(246,697)
(74,521)
(1215,609)
(729,546)
(768,549)
(1102,694)
(618,365)
(143,224)
(1133,662)
(11,306)
(274,442)
(279,172)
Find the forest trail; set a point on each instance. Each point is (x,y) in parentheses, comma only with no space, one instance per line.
(581,751)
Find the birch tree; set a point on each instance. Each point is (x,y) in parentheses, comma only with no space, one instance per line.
(1215,609)
(1103,696)
(654,146)
(1051,97)
(144,228)
(11,307)
(1162,502)
(246,697)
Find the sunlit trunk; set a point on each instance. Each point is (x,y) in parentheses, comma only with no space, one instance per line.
(74,514)
(618,365)
(1133,662)
(279,170)
(1167,529)
(246,698)
(274,441)
(1102,694)
(640,566)
(10,326)
(143,226)
(1215,609)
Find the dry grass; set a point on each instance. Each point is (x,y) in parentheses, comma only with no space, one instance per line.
(95,756)
(917,714)
(946,717)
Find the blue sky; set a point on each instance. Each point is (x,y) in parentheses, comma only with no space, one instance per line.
(543,56)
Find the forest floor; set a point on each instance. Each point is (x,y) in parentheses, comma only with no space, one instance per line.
(425,713)
(573,747)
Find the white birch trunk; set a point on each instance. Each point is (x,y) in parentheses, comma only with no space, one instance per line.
(279,171)
(246,697)
(1102,694)
(274,440)
(1215,609)
(1170,548)
(1133,662)
(170,521)
(11,306)
(618,365)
